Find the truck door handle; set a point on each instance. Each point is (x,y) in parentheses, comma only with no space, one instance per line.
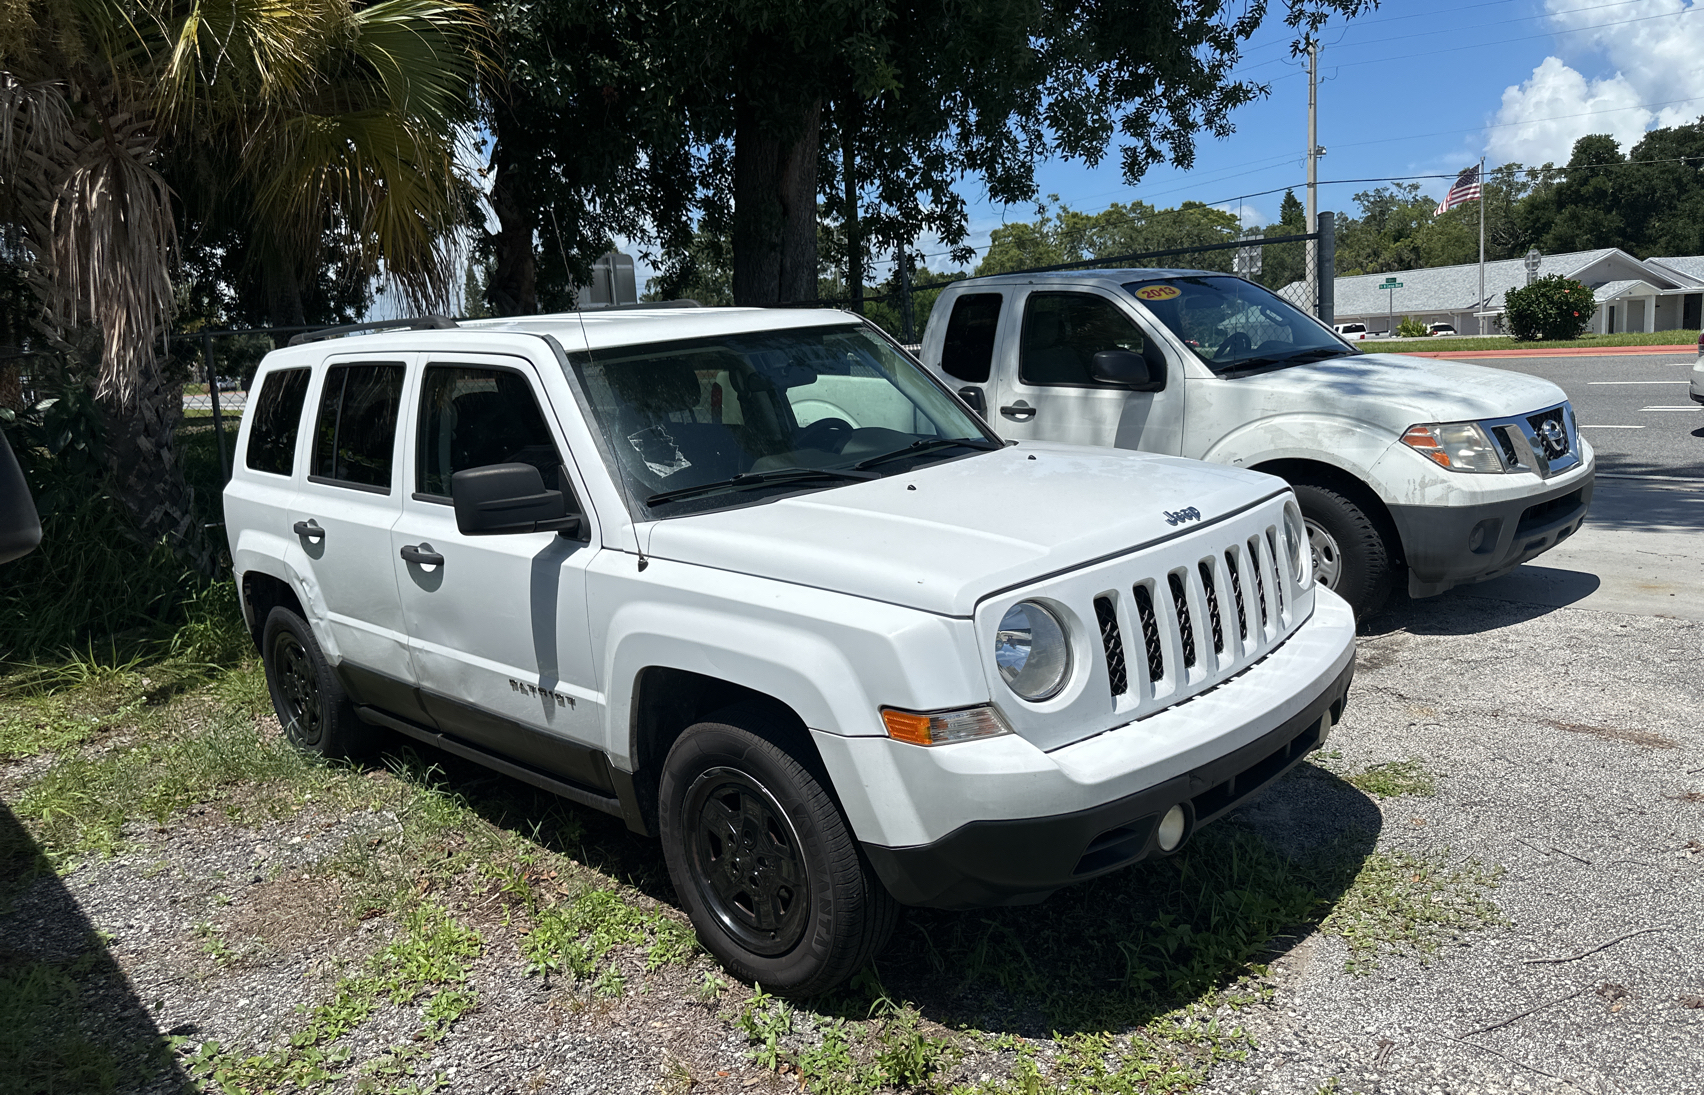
(423,555)
(1019,411)
(309,528)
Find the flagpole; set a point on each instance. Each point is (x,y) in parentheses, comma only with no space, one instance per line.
(1482,307)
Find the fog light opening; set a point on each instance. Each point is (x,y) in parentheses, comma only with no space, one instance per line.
(1173,827)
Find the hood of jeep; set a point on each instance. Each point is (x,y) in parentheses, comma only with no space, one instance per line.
(944,536)
(1398,391)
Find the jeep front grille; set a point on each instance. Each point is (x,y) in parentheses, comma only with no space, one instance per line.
(1193,594)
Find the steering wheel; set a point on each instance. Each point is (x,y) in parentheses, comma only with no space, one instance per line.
(825,433)
(1235,342)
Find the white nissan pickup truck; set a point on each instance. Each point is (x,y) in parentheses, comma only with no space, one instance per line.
(758,584)
(1451,472)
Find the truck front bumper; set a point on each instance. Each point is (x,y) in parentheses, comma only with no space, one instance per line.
(1107,793)
(1447,546)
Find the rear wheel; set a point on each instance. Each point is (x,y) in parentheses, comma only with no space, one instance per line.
(312,707)
(763,860)
(1350,556)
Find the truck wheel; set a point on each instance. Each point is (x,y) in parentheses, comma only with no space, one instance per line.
(1349,554)
(763,860)
(311,704)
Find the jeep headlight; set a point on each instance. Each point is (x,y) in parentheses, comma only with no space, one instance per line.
(1296,539)
(1032,651)
(1458,446)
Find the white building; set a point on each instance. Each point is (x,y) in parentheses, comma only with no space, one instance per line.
(1658,294)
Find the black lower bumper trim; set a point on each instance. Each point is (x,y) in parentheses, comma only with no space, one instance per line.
(1447,546)
(1020,861)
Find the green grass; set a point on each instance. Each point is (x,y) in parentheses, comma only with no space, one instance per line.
(1398,777)
(1412,904)
(1456,345)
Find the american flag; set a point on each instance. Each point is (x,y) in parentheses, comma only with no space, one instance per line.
(1466,189)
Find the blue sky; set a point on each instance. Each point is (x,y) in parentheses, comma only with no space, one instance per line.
(1420,87)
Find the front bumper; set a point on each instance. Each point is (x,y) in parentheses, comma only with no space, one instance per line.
(1005,823)
(1439,541)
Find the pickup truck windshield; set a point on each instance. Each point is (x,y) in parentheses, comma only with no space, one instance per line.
(1235,326)
(714,422)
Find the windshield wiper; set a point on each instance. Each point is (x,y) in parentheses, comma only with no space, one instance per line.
(1300,357)
(758,478)
(926,444)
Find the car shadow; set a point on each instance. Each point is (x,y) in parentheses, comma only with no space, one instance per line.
(1108,953)
(1470,610)
(73,1022)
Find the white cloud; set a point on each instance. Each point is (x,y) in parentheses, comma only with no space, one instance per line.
(1650,56)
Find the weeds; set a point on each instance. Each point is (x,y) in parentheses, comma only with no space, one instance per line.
(1396,778)
(1411,903)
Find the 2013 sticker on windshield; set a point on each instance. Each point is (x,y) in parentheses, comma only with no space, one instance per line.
(1158,292)
(659,451)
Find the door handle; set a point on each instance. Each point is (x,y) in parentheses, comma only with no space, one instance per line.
(1019,411)
(423,555)
(309,528)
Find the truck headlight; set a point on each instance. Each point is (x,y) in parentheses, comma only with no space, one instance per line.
(1458,446)
(1032,651)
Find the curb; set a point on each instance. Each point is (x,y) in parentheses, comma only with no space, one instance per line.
(1560,351)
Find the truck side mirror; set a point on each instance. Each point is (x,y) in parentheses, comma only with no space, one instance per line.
(972,395)
(499,499)
(1143,372)
(20,527)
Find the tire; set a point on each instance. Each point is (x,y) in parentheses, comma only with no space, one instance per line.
(312,707)
(762,858)
(1350,555)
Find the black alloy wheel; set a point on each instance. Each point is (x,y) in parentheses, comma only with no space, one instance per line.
(748,866)
(298,687)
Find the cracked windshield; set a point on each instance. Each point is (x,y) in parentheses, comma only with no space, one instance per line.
(714,422)
(1235,326)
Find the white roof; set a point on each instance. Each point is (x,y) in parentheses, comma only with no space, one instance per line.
(1689,267)
(623,327)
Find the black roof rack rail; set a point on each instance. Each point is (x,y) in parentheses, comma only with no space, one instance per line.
(419,323)
(682,302)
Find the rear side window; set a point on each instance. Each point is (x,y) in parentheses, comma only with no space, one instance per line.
(968,351)
(277,416)
(356,431)
(471,417)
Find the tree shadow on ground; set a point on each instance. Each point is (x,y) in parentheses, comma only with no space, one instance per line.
(69,1019)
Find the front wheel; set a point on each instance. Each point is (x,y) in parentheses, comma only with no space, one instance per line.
(1350,556)
(763,861)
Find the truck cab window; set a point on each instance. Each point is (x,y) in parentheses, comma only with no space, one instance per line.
(471,417)
(968,350)
(356,431)
(1064,331)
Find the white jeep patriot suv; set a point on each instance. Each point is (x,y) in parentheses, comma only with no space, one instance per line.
(757,583)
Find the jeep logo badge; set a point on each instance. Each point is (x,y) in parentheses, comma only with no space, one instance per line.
(1189,513)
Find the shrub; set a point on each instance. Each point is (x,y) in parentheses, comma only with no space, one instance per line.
(1410,328)
(1553,307)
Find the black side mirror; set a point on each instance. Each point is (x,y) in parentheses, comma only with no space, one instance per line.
(507,498)
(1143,372)
(972,395)
(20,527)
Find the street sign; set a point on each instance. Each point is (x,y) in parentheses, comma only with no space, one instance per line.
(1391,283)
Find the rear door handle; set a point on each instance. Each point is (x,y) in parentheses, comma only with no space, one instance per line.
(309,528)
(1019,411)
(423,555)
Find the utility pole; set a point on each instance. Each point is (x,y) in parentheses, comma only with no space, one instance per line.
(1314,153)
(1483,307)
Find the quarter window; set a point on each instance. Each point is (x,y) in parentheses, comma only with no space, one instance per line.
(967,353)
(277,417)
(356,433)
(471,417)
(1064,331)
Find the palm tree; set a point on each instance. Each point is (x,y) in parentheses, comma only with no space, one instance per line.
(330,118)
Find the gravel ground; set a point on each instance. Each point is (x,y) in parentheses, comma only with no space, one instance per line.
(1568,750)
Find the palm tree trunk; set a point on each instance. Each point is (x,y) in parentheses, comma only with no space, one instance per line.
(145,474)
